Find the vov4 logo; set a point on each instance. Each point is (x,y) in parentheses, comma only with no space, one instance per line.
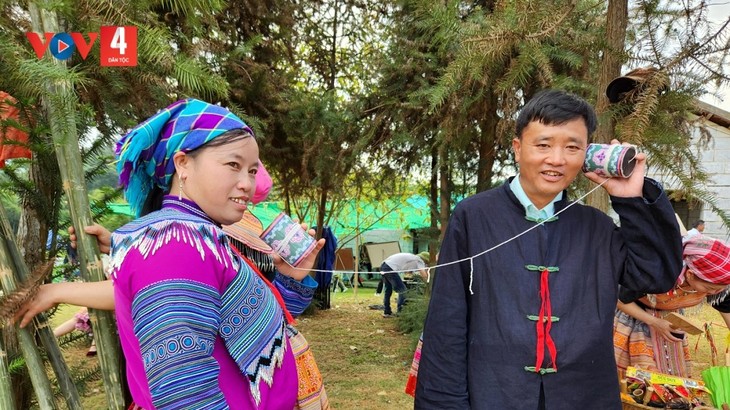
(118,45)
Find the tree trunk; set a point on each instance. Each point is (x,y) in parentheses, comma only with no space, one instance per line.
(487,144)
(6,387)
(59,104)
(55,357)
(322,294)
(433,203)
(445,189)
(37,220)
(613,58)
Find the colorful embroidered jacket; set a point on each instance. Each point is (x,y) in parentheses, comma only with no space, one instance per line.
(540,318)
(198,327)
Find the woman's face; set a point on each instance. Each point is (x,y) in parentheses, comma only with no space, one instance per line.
(703,286)
(222,179)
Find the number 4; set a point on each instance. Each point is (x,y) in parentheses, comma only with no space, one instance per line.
(118,40)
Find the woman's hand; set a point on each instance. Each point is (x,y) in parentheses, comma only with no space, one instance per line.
(664,328)
(96,295)
(44,299)
(300,271)
(103,237)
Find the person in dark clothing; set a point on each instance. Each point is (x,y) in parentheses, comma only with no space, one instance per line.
(723,306)
(529,324)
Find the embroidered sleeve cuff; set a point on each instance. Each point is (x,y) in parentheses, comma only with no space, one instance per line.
(305,287)
(297,295)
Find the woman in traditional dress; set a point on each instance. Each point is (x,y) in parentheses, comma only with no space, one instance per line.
(643,338)
(244,236)
(199,326)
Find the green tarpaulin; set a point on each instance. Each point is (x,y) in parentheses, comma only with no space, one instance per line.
(355,216)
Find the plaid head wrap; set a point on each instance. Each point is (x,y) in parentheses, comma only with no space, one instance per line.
(144,154)
(708,258)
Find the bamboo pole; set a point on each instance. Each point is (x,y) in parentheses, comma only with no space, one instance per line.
(50,344)
(59,103)
(7,401)
(33,359)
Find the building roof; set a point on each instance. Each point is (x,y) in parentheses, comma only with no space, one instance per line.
(712,113)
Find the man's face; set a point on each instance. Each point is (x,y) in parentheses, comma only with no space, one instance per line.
(701,227)
(550,157)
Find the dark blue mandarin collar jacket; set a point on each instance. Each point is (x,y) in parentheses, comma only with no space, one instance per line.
(479,349)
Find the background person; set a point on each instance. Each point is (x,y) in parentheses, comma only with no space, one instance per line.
(643,338)
(338,282)
(529,324)
(390,270)
(697,229)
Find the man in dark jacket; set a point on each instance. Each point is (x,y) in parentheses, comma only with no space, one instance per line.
(528,325)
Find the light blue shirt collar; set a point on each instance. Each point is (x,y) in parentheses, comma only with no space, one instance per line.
(530,210)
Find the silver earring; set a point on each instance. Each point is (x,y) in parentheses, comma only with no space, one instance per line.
(180,191)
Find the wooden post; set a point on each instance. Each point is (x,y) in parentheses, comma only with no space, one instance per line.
(33,359)
(59,103)
(20,274)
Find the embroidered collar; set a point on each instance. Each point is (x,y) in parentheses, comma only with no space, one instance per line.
(187,206)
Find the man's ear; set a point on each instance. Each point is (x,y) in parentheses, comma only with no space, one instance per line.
(516,146)
(181,161)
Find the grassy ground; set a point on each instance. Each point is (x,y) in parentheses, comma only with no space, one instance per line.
(365,360)
(700,345)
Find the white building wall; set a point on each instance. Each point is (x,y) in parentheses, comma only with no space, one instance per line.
(715,160)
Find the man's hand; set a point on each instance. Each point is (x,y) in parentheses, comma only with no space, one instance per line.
(624,187)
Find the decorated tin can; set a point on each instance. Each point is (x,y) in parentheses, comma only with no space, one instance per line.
(610,160)
(288,239)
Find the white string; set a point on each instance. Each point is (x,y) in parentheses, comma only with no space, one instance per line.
(469,258)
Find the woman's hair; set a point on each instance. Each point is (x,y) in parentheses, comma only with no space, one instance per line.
(153,202)
(223,139)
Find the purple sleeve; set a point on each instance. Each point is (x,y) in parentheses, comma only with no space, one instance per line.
(297,295)
(176,315)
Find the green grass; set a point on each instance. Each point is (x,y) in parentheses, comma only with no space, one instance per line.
(363,358)
(700,345)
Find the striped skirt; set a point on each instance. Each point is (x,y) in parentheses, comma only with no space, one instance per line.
(636,344)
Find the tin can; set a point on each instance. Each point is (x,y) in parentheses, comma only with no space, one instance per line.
(610,160)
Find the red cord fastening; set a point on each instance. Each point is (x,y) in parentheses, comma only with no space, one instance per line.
(544,324)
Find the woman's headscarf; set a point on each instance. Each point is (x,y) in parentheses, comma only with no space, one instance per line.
(708,258)
(144,154)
